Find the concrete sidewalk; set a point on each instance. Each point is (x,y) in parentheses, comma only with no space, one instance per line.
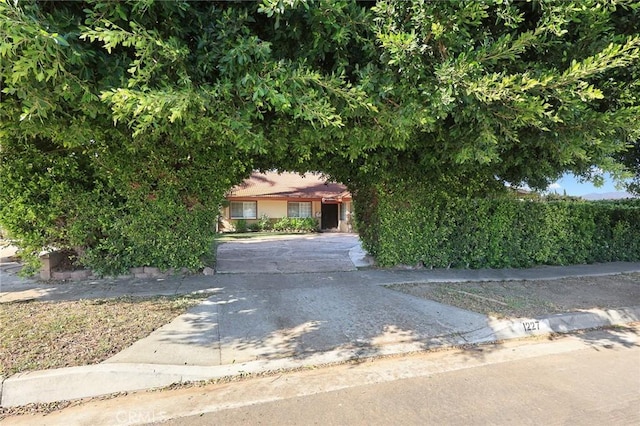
(264,322)
(13,288)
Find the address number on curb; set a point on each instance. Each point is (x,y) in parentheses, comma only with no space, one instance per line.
(531,325)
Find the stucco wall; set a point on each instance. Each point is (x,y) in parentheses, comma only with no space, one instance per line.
(274,209)
(345,225)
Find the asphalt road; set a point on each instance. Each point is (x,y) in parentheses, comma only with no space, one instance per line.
(587,378)
(596,385)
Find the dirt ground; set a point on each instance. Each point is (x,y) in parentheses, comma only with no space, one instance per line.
(532,298)
(40,335)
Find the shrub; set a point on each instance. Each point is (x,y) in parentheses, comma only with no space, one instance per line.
(427,228)
(296,224)
(241,225)
(282,224)
(114,208)
(264,223)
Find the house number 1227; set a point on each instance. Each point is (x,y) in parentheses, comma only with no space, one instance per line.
(531,325)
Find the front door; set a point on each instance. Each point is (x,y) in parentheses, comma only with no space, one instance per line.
(329,216)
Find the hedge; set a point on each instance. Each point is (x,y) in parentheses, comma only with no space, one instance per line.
(284,224)
(113,207)
(296,224)
(440,232)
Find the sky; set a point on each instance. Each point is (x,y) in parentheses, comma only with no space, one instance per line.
(570,184)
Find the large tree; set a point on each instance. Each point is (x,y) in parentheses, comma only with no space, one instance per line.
(122,124)
(517,90)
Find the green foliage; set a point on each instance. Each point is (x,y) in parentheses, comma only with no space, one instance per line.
(296,224)
(486,99)
(631,159)
(44,199)
(123,124)
(155,212)
(149,237)
(264,223)
(241,225)
(426,228)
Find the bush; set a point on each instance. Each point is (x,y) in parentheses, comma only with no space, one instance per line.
(112,207)
(164,238)
(296,224)
(264,223)
(241,226)
(422,227)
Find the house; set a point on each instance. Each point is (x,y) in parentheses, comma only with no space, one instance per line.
(276,195)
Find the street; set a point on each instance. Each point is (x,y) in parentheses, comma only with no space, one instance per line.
(594,385)
(586,378)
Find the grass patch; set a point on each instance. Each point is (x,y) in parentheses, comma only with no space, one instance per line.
(42,335)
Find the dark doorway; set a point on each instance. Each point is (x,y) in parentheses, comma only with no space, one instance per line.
(329,216)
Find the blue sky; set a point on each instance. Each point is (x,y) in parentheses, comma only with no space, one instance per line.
(573,187)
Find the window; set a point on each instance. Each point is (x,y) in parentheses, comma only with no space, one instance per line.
(244,210)
(302,209)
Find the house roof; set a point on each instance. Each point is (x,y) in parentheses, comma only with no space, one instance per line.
(288,185)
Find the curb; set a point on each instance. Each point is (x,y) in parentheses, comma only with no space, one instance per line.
(94,380)
(360,258)
(517,328)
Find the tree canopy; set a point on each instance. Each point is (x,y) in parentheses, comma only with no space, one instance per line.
(121,122)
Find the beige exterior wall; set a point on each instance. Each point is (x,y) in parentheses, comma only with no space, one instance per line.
(316,208)
(345,211)
(274,209)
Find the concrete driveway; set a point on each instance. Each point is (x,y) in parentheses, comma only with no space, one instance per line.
(329,252)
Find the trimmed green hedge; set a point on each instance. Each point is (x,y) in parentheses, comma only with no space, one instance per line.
(444,232)
(285,224)
(296,224)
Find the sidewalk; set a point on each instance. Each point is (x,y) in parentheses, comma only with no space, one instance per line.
(265,322)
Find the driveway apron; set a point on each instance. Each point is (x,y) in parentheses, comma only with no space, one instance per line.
(275,316)
(297,296)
